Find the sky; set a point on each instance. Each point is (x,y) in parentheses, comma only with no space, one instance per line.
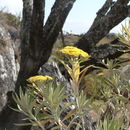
(79,19)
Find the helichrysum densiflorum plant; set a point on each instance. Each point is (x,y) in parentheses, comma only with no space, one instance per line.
(46,97)
(124,36)
(74,57)
(109,124)
(44,101)
(39,78)
(109,90)
(74,52)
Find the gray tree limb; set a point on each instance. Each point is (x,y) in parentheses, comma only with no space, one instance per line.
(36,31)
(107,51)
(56,20)
(101,26)
(26,25)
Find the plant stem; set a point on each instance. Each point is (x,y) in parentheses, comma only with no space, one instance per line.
(59,122)
(39,124)
(80,111)
(83,123)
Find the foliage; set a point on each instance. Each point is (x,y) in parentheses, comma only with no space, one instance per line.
(48,96)
(73,51)
(124,36)
(109,124)
(13,20)
(106,92)
(39,78)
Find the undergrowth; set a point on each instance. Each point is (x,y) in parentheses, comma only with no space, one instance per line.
(104,93)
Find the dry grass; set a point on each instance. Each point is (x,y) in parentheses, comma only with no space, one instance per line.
(3,18)
(3,46)
(9,19)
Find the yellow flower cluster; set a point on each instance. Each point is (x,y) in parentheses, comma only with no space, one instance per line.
(73,51)
(39,78)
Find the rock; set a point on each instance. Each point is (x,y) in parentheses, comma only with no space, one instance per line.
(14,33)
(8,66)
(52,69)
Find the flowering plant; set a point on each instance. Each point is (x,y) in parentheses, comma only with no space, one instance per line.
(75,57)
(74,52)
(39,78)
(46,104)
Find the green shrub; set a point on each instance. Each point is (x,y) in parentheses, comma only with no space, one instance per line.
(105,92)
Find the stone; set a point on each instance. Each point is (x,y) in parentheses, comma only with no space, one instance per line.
(8,66)
(52,69)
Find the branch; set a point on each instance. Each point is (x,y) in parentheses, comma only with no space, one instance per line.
(55,21)
(52,27)
(107,51)
(36,27)
(111,50)
(26,21)
(26,25)
(32,35)
(117,13)
(105,8)
(102,12)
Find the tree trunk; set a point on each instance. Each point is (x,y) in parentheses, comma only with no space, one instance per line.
(41,41)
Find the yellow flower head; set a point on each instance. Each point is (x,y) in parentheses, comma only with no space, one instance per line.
(73,51)
(39,78)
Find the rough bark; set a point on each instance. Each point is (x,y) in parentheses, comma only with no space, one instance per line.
(110,15)
(103,23)
(41,44)
(107,51)
(36,31)
(25,30)
(30,49)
